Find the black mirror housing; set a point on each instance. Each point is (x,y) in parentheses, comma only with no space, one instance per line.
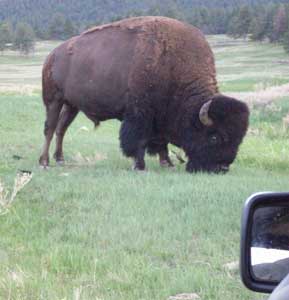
(263,200)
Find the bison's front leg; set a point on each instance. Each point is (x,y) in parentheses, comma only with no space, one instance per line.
(135,133)
(165,160)
(160,147)
(139,162)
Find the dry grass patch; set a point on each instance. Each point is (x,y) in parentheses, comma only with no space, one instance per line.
(25,89)
(80,159)
(263,96)
(191,296)
(6,198)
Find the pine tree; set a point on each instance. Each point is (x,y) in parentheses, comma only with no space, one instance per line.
(24,38)
(218,21)
(285,39)
(154,11)
(61,28)
(6,35)
(240,23)
(69,29)
(259,25)
(279,24)
(199,18)
(56,27)
(270,12)
(232,22)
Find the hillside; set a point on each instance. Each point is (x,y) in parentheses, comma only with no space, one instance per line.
(39,12)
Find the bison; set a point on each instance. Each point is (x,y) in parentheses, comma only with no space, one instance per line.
(157,76)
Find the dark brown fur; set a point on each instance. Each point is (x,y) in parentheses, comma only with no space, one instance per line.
(153,74)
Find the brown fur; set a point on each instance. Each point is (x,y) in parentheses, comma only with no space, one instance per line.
(151,72)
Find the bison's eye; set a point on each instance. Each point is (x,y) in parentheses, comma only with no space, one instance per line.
(213,140)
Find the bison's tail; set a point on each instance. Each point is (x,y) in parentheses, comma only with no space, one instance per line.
(50,91)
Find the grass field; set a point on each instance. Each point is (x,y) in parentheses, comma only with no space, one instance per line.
(94,229)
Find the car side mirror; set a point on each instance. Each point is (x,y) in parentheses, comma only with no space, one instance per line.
(265,241)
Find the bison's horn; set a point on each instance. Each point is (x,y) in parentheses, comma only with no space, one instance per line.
(204,114)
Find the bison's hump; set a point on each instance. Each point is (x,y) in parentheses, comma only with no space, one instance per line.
(139,22)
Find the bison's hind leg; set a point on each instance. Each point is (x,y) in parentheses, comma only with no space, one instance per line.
(53,109)
(135,133)
(67,115)
(160,147)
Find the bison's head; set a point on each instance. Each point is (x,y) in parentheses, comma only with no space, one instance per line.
(213,133)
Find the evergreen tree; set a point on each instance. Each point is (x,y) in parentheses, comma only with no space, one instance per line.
(200,18)
(69,29)
(218,21)
(154,11)
(233,26)
(259,25)
(40,33)
(285,39)
(236,18)
(24,38)
(270,13)
(56,27)
(6,35)
(61,28)
(279,24)
(172,13)
(205,15)
(240,23)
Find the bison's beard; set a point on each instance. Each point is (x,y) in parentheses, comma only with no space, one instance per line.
(211,159)
(194,166)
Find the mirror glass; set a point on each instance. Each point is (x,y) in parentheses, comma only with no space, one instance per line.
(270,243)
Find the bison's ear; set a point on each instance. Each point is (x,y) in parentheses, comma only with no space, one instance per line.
(223,107)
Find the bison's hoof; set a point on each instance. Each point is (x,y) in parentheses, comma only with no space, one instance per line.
(43,162)
(60,162)
(44,167)
(139,168)
(59,158)
(166,164)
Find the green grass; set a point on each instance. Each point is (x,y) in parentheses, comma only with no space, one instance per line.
(96,228)
(245,66)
